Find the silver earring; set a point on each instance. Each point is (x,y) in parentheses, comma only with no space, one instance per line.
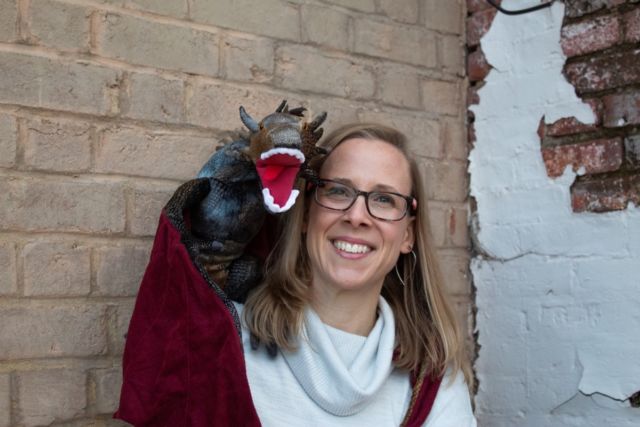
(415,262)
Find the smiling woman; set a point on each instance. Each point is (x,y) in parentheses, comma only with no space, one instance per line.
(347,323)
(352,314)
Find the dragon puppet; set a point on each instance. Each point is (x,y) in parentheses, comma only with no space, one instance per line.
(183,363)
(247,178)
(223,210)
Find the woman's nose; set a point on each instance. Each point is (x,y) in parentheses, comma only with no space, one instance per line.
(358,214)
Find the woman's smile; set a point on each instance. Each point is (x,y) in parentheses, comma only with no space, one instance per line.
(350,246)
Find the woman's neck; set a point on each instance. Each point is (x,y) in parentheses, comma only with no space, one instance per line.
(349,311)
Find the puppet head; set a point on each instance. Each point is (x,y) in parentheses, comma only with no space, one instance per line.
(281,146)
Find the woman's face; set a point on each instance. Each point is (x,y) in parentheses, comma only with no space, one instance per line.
(351,250)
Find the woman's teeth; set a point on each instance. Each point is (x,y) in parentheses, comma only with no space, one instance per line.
(353,248)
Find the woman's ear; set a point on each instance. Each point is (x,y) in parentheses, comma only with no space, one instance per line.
(409,237)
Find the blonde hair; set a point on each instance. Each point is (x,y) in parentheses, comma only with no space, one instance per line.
(426,327)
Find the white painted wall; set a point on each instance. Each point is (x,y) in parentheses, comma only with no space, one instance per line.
(558,293)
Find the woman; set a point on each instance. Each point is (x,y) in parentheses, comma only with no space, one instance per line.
(353,299)
(349,327)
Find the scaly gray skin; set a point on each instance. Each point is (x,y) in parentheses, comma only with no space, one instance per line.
(233,211)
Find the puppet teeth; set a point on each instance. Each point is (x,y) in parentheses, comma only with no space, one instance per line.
(273,206)
(280,150)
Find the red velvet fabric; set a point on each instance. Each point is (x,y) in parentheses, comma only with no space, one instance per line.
(183,363)
(424,402)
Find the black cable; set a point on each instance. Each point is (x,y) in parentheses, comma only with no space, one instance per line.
(521,11)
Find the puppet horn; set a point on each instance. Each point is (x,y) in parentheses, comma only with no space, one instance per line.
(251,124)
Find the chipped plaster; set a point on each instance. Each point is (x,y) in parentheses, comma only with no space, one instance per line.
(558,293)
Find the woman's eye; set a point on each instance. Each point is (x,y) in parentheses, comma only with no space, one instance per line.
(337,191)
(383,199)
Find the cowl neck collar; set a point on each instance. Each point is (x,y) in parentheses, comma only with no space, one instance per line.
(341,372)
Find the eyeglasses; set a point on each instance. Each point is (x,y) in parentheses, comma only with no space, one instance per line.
(382,205)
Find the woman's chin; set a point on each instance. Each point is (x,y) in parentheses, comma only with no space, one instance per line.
(354,282)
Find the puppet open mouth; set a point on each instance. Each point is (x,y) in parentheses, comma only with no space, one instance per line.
(278,169)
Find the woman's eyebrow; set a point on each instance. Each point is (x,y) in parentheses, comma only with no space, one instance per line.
(377,187)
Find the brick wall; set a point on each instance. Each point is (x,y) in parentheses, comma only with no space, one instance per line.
(555,277)
(107,106)
(480,15)
(602,43)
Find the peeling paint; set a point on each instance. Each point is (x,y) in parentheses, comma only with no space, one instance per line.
(557,292)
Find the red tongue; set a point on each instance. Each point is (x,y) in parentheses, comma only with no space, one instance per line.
(278,174)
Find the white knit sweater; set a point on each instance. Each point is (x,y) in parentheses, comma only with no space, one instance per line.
(338,378)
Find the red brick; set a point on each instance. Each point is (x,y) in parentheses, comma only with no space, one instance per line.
(632,150)
(597,156)
(478,5)
(571,125)
(622,109)
(477,66)
(472,95)
(590,36)
(576,8)
(607,194)
(541,129)
(632,26)
(471,135)
(471,130)
(478,24)
(605,72)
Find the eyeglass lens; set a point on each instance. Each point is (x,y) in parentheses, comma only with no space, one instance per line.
(380,204)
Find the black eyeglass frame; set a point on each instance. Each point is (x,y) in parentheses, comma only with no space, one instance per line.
(410,208)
